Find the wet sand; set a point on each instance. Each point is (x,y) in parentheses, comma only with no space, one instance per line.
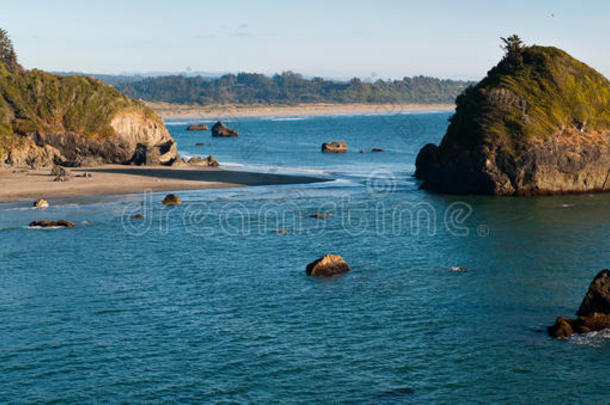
(24,185)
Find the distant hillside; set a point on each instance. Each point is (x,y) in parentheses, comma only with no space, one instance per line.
(290,88)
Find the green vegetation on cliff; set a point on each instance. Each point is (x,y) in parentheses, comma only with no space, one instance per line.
(291,88)
(534,93)
(38,102)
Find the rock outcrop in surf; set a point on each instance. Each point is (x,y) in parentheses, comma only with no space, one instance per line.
(537,124)
(594,311)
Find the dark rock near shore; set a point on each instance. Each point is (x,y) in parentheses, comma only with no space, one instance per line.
(334,147)
(328,265)
(197,127)
(377,150)
(50,224)
(594,311)
(221,130)
(172,199)
(204,162)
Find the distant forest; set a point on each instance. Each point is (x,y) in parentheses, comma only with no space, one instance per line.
(290,88)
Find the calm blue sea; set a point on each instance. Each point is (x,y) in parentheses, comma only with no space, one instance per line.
(205,302)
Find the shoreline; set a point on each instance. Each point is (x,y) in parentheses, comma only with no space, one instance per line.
(195,111)
(23,185)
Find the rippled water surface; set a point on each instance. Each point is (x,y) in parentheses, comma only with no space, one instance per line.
(205,302)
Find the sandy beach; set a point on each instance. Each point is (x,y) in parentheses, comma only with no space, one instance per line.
(25,185)
(194,111)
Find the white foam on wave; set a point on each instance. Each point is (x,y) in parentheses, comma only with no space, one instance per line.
(593,339)
(274,169)
(280,119)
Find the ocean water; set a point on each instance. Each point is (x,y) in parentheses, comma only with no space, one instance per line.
(205,302)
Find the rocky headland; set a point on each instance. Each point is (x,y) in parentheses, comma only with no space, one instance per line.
(537,124)
(47,119)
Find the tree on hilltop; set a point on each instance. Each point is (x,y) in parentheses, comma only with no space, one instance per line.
(8,56)
(513,46)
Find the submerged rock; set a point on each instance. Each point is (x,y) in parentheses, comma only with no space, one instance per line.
(221,130)
(205,162)
(318,215)
(172,199)
(197,127)
(327,266)
(594,311)
(334,147)
(41,203)
(51,224)
(531,127)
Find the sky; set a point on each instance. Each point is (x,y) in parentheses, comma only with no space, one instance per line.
(378,39)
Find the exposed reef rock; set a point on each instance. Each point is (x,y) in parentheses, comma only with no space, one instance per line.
(594,311)
(47,119)
(221,130)
(207,162)
(328,265)
(197,127)
(334,147)
(538,124)
(51,224)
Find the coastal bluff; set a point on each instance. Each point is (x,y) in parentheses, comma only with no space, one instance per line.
(537,124)
(48,119)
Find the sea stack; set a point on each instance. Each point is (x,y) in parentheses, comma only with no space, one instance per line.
(221,130)
(537,124)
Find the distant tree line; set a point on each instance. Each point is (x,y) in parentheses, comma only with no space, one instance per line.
(290,88)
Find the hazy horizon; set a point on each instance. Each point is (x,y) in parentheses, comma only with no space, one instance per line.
(384,40)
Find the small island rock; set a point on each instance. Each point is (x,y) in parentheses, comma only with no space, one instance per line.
(327,266)
(221,130)
(172,199)
(334,147)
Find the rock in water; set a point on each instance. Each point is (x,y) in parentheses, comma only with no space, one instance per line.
(207,162)
(49,224)
(75,120)
(197,127)
(221,130)
(539,123)
(327,266)
(334,147)
(598,296)
(377,150)
(41,203)
(172,199)
(594,311)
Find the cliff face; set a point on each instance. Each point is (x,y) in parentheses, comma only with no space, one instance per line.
(72,120)
(537,126)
